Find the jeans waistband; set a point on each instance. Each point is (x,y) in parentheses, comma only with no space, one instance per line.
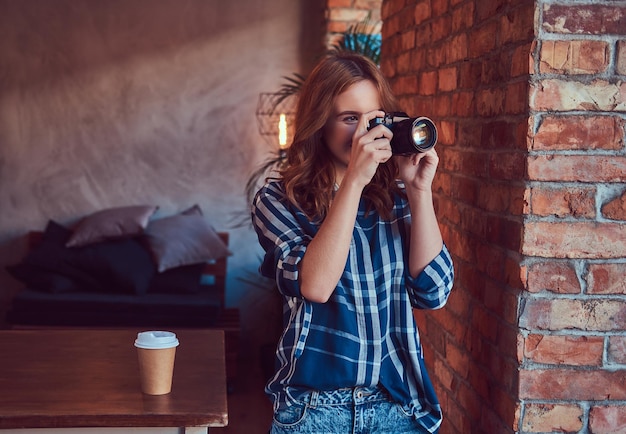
(348,395)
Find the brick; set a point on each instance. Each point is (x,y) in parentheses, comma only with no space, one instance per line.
(447,79)
(558,277)
(428,83)
(607,419)
(347,14)
(497,134)
(617,350)
(338,4)
(595,19)
(483,40)
(404,84)
(446,132)
(563,202)
(436,56)
(561,95)
(615,209)
(567,350)
(370,5)
(621,58)
(574,132)
(574,57)
(463,17)
(463,103)
(407,39)
(441,27)
(490,102)
(552,418)
(470,402)
(507,165)
(391,7)
(579,314)
(494,197)
(495,69)
(443,374)
(422,11)
(521,61)
(606,278)
(457,358)
(516,101)
(486,10)
(577,168)
(572,384)
(517,24)
(574,240)
(503,403)
(470,75)
(457,48)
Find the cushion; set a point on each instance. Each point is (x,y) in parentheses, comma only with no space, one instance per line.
(42,280)
(183,239)
(122,266)
(111,223)
(116,266)
(179,280)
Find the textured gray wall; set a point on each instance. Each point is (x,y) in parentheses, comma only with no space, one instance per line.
(119,102)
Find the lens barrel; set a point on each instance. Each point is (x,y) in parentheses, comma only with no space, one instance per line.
(410,135)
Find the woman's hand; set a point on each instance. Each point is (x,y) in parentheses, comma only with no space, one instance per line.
(417,171)
(369,149)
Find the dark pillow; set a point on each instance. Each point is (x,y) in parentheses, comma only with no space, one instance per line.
(111,223)
(183,239)
(112,266)
(41,280)
(124,266)
(179,280)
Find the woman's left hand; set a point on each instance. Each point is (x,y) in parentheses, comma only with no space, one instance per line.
(418,170)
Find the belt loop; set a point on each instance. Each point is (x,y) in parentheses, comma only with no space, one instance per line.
(313,399)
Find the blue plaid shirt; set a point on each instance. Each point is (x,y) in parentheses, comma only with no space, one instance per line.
(365,335)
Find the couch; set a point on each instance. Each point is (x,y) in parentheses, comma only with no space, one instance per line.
(122,267)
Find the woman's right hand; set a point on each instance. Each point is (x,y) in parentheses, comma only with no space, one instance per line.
(369,149)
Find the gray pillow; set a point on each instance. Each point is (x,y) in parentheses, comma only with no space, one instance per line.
(111,223)
(184,239)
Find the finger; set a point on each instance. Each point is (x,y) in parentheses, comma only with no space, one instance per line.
(367,117)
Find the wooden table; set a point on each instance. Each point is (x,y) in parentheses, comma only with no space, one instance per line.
(89,378)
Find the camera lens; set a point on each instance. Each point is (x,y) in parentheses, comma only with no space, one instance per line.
(424,134)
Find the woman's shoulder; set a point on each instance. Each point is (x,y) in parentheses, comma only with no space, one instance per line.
(273,186)
(273,189)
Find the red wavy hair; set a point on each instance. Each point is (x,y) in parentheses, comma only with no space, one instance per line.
(309,174)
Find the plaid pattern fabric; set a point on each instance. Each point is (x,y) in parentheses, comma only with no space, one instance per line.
(365,335)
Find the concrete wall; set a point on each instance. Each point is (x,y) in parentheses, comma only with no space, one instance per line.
(119,102)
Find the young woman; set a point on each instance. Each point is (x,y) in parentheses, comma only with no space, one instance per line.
(351,238)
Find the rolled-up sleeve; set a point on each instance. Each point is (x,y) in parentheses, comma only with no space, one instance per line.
(282,238)
(431,288)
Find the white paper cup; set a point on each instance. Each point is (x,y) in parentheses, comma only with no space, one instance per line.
(156,351)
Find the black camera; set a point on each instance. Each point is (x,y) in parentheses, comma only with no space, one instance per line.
(410,135)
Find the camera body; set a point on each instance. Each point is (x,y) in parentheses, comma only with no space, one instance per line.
(410,135)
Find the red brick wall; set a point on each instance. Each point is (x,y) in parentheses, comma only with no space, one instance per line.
(572,346)
(531,199)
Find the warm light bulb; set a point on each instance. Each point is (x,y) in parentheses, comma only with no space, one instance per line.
(282,131)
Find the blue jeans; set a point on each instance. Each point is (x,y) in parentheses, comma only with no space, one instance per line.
(358,410)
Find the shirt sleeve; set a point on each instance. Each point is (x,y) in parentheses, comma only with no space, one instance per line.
(278,226)
(431,288)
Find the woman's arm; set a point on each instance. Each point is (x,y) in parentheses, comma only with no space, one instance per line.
(425,241)
(326,255)
(417,172)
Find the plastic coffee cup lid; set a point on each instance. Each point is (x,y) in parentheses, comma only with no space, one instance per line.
(156,339)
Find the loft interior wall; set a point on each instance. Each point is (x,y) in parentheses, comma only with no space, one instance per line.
(121,102)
